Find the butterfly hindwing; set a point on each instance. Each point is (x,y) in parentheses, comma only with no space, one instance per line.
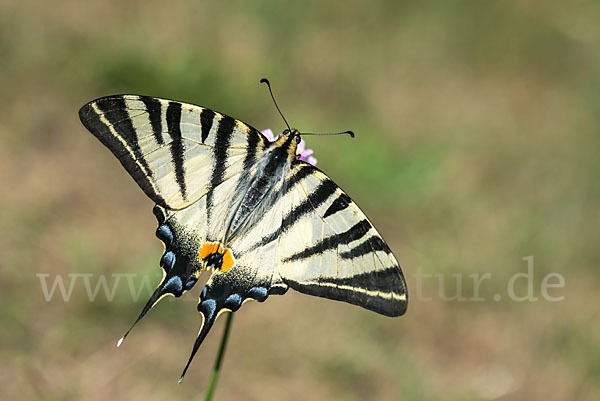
(253,275)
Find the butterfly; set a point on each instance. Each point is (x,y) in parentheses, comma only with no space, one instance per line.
(244,209)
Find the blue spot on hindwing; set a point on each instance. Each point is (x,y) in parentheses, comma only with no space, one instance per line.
(258,293)
(208,308)
(168,261)
(165,234)
(173,286)
(190,284)
(233,302)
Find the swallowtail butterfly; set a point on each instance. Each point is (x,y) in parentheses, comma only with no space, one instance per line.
(246,210)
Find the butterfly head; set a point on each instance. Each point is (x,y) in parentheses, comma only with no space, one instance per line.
(291,132)
(287,143)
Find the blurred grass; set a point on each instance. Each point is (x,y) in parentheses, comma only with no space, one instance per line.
(477,145)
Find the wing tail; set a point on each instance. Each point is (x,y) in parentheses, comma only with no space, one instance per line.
(208,311)
(158,294)
(225,293)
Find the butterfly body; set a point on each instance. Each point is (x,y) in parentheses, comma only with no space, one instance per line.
(245,209)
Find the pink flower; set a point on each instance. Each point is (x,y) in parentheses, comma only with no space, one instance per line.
(267,133)
(305,154)
(301,152)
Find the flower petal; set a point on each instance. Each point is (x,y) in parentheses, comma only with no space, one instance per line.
(301,146)
(269,135)
(307,152)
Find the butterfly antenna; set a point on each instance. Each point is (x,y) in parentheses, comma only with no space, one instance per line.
(266,81)
(329,133)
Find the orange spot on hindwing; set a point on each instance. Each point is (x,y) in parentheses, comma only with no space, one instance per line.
(217,256)
(205,250)
(227,261)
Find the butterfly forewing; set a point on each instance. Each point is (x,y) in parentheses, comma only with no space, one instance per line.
(176,152)
(330,249)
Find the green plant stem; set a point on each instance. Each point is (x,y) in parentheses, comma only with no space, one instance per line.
(217,368)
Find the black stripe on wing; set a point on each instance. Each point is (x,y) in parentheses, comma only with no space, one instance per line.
(222,141)
(322,193)
(373,243)
(384,293)
(251,156)
(325,189)
(154,110)
(207,117)
(115,111)
(338,205)
(109,121)
(177,147)
(354,233)
(314,200)
(301,173)
(387,280)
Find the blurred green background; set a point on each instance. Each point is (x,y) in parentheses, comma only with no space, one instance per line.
(477,145)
